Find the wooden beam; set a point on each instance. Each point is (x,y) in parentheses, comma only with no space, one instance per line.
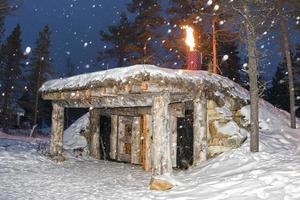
(57,129)
(114,137)
(133,111)
(95,133)
(200,128)
(135,145)
(121,101)
(161,155)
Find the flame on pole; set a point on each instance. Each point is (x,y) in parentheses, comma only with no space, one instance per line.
(193,56)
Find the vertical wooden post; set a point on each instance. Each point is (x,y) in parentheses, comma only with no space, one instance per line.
(161,153)
(173,126)
(135,145)
(114,137)
(57,130)
(146,139)
(200,128)
(95,133)
(120,143)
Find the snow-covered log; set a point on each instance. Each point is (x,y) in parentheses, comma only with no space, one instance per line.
(95,133)
(200,128)
(161,153)
(57,130)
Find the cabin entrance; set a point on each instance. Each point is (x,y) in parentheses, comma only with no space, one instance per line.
(185,140)
(105,131)
(126,139)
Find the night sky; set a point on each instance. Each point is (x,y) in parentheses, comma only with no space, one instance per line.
(76,24)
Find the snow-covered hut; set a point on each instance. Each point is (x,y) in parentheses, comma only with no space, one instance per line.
(144,103)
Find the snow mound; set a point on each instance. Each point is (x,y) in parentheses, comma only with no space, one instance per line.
(73,138)
(269,116)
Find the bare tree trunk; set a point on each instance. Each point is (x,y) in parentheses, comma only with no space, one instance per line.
(285,35)
(161,149)
(253,78)
(5,112)
(57,130)
(200,129)
(36,103)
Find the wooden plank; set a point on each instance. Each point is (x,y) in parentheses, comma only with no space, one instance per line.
(200,129)
(135,145)
(146,141)
(173,126)
(57,128)
(161,154)
(95,133)
(133,111)
(113,137)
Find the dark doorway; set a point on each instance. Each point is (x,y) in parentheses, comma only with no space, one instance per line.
(105,131)
(185,140)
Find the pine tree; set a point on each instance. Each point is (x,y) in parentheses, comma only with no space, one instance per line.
(40,71)
(120,39)
(11,74)
(230,67)
(5,9)
(277,94)
(145,27)
(296,65)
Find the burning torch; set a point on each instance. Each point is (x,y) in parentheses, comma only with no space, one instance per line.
(194,58)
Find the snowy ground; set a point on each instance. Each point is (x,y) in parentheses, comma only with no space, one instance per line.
(274,173)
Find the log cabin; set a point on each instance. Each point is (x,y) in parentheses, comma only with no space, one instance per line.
(144,103)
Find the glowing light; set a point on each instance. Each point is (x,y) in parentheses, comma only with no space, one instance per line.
(189,40)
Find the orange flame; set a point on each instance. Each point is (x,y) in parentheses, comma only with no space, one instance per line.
(189,40)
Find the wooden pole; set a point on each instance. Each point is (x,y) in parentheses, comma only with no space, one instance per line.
(95,133)
(200,128)
(214,45)
(57,130)
(114,137)
(161,153)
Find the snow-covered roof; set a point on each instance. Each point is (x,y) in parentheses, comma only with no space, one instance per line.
(124,74)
